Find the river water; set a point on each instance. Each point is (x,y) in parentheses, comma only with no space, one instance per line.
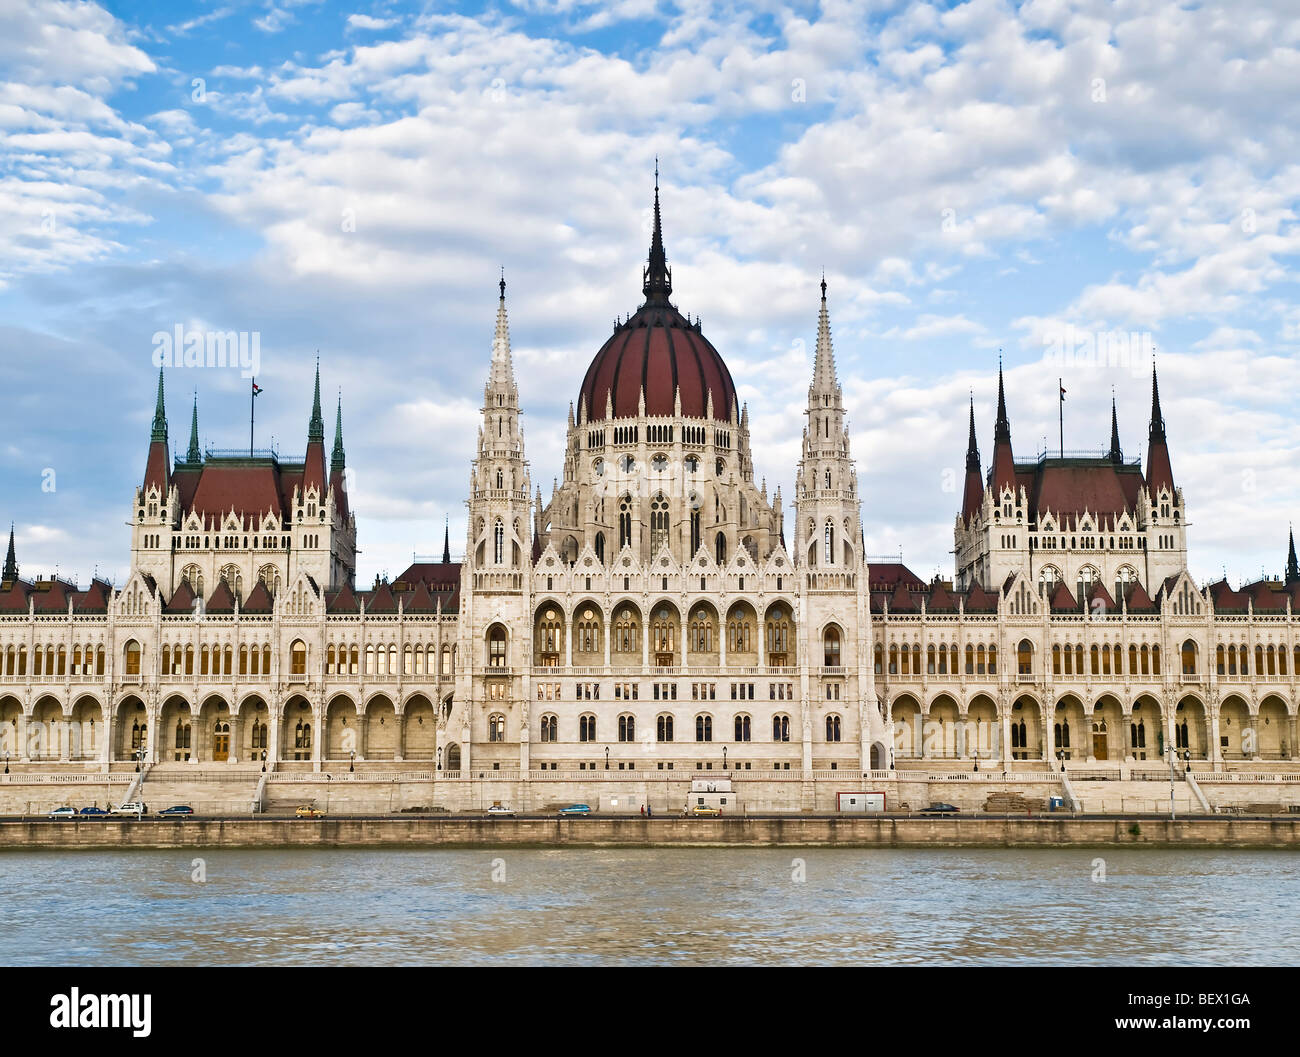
(650,906)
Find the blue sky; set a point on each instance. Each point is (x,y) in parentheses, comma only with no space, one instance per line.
(349,178)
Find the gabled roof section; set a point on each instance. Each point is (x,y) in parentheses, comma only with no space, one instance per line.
(221,600)
(259,600)
(182,600)
(1062,601)
(343,601)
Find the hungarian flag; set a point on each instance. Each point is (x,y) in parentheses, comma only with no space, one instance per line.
(257,389)
(1062,394)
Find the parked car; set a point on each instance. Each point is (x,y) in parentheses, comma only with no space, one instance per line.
(62,812)
(940,809)
(135,808)
(309,811)
(93,812)
(705,810)
(179,809)
(500,810)
(575,809)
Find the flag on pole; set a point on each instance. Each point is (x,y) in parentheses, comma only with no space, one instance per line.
(257,389)
(1062,394)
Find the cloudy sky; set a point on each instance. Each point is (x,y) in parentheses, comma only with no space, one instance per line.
(1045,179)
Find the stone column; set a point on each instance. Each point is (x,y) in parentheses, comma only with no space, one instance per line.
(275,720)
(1214,755)
(1291,732)
(319,736)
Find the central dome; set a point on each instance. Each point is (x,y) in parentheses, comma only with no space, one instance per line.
(659,352)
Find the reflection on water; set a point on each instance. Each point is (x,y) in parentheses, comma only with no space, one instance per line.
(661,905)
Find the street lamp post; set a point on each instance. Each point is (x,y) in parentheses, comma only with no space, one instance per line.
(264,761)
(1173,764)
(328,776)
(6,761)
(352,760)
(724,757)
(607,757)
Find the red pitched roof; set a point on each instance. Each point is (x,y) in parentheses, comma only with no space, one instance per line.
(980,601)
(222,601)
(941,600)
(1062,600)
(1137,600)
(182,600)
(258,600)
(343,601)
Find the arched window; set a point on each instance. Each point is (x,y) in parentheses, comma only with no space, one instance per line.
(828,479)
(132,658)
(832,728)
(703,728)
(780,728)
(297,658)
(658,522)
(830,542)
(664,728)
(742,728)
(720,549)
(587,728)
(499,543)
(695,525)
(1025,657)
(831,645)
(496,727)
(497,646)
(626,728)
(1189,657)
(625,522)
(550,728)
(600,547)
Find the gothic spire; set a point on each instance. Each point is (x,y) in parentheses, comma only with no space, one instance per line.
(1002,427)
(160,413)
(1160,474)
(824,378)
(1292,566)
(973,493)
(1116,453)
(11,561)
(972,448)
(657,279)
(337,459)
(502,377)
(1157,419)
(1004,463)
(316,429)
(194,455)
(446,543)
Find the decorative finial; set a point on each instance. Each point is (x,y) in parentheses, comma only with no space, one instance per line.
(823,284)
(503,282)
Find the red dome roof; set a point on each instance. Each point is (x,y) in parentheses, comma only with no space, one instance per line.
(660,351)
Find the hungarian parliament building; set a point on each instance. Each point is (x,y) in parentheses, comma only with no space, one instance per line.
(658,612)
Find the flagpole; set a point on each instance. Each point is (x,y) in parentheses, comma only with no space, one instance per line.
(1060,384)
(252,412)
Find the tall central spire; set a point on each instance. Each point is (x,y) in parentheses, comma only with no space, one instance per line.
(657,278)
(1116,453)
(1002,427)
(194,455)
(972,447)
(11,560)
(316,429)
(160,414)
(337,458)
(824,379)
(1292,566)
(502,376)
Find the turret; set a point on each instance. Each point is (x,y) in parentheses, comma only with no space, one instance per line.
(194,455)
(10,573)
(1160,475)
(973,494)
(1292,568)
(1003,473)
(1116,453)
(157,473)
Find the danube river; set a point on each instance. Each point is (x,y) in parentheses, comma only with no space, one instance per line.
(654,905)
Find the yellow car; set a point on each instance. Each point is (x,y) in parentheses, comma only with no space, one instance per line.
(704,810)
(308,811)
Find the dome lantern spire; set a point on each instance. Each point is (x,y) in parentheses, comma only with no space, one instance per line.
(657,278)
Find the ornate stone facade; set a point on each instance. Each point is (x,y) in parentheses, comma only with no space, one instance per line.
(650,617)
